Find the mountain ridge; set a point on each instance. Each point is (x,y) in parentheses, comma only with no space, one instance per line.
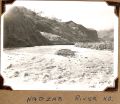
(23,27)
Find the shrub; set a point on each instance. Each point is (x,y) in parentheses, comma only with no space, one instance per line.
(66,52)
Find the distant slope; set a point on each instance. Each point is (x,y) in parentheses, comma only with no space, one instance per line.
(23,27)
(106,35)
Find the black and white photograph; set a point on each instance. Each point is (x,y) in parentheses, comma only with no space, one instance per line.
(59,45)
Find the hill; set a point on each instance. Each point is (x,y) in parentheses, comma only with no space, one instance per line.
(23,27)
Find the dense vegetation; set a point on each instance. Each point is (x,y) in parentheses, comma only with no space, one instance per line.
(104,45)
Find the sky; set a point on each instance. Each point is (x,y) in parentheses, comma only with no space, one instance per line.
(95,15)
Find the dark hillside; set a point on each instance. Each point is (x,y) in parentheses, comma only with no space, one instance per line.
(19,30)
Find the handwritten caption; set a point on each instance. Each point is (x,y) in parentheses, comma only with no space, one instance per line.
(46,99)
(76,98)
(92,98)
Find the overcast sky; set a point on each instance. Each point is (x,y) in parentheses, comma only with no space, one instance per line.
(96,15)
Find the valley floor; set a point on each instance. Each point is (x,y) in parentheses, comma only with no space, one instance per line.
(39,68)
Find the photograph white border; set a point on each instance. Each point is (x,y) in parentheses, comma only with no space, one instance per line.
(66,87)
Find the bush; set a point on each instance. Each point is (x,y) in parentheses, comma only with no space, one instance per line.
(96,45)
(66,52)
